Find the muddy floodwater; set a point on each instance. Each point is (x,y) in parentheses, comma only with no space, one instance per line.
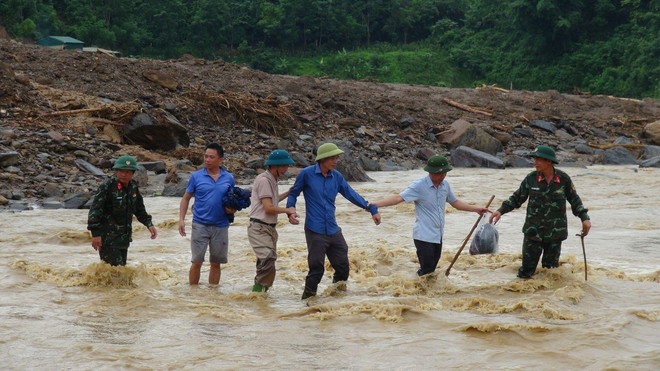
(60,308)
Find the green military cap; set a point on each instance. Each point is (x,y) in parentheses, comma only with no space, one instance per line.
(126,163)
(437,164)
(327,150)
(279,157)
(545,152)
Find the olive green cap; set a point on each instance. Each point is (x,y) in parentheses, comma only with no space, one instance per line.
(126,163)
(545,152)
(327,150)
(437,164)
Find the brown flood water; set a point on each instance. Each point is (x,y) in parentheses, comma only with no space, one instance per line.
(60,308)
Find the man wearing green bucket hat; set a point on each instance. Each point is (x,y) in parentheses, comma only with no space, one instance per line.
(547,189)
(320,183)
(430,194)
(111,214)
(263,217)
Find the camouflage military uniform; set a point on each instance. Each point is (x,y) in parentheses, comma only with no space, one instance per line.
(545,224)
(111,217)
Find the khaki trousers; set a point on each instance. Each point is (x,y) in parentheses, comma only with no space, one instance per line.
(263,239)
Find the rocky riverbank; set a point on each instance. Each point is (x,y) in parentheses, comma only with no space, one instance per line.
(66,115)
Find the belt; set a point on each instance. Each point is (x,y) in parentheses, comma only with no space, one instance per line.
(264,223)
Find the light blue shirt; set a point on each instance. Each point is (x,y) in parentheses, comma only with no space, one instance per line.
(208,193)
(429,208)
(320,193)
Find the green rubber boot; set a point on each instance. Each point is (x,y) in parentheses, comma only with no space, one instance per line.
(259,288)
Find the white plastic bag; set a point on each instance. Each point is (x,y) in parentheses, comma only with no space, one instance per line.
(486,238)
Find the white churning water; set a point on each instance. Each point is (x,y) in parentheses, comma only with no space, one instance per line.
(60,308)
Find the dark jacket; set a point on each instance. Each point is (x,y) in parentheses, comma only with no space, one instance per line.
(111,213)
(546,210)
(236,198)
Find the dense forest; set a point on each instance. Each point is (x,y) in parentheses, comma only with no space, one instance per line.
(597,46)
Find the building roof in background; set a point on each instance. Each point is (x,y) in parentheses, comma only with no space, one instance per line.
(63,39)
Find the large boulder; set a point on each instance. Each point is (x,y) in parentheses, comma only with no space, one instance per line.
(462,133)
(157,167)
(652,162)
(618,156)
(544,125)
(369,164)
(141,176)
(469,157)
(89,168)
(349,164)
(519,161)
(652,132)
(650,152)
(157,130)
(176,185)
(161,78)
(77,200)
(8,157)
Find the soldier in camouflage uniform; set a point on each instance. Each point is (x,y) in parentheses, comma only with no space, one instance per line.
(111,214)
(545,226)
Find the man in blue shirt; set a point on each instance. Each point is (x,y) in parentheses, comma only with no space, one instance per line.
(210,224)
(320,184)
(430,194)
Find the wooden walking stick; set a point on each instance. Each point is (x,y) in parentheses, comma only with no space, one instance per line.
(468,237)
(584,254)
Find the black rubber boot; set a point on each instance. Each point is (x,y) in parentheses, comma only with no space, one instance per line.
(307,293)
(523,274)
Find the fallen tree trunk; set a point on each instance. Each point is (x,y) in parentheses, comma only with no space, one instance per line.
(73,112)
(612,145)
(106,121)
(466,107)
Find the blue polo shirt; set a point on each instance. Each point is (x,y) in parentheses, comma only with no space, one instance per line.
(429,208)
(320,193)
(208,193)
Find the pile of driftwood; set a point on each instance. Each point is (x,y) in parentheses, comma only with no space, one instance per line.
(87,108)
(262,114)
(109,113)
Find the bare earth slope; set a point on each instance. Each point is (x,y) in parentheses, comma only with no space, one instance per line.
(250,113)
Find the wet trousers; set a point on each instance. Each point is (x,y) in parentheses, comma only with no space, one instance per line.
(428,254)
(263,239)
(318,247)
(531,252)
(113,256)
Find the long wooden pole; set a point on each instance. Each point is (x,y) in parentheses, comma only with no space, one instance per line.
(468,237)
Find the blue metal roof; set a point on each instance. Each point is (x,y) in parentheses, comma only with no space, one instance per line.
(64,39)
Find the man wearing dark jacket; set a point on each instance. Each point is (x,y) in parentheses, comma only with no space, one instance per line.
(111,214)
(545,226)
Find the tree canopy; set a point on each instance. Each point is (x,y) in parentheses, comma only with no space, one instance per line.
(601,46)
